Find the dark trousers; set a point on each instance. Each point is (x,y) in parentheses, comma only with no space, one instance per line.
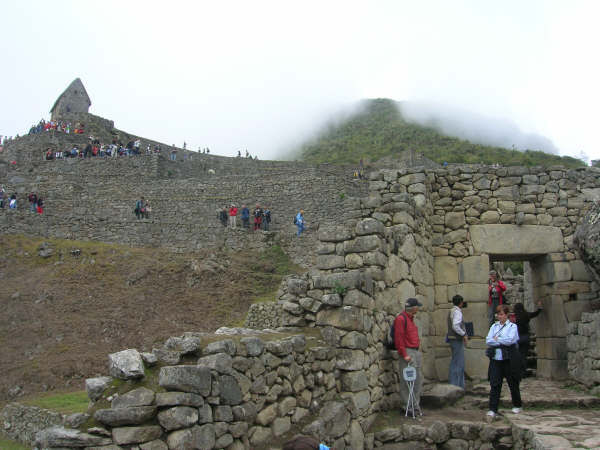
(524,351)
(497,372)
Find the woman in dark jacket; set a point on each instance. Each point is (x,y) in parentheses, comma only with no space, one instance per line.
(522,318)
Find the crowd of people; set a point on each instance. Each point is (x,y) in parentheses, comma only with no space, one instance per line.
(36,202)
(94,148)
(261,217)
(142,209)
(508,343)
(57,125)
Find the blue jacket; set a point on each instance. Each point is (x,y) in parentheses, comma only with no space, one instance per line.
(245,213)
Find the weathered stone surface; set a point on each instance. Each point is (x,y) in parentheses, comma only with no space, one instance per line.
(230,392)
(396,270)
(355,340)
(354,381)
(369,226)
(126,364)
(330,262)
(362,244)
(178,417)
(178,399)
(441,395)
(350,359)
(62,437)
(197,437)
(254,345)
(223,346)
(196,379)
(335,234)
(354,297)
(473,269)
(135,435)
(137,397)
(516,240)
(136,415)
(96,386)
(221,362)
(445,270)
(267,415)
(152,445)
(346,318)
(455,220)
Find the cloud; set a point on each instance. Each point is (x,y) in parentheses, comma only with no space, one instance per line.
(474,127)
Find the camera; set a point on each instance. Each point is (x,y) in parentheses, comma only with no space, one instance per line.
(464,305)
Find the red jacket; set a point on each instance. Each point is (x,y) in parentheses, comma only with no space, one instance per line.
(403,339)
(233,211)
(501,289)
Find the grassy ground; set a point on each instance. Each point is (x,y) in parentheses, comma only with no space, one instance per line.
(63,314)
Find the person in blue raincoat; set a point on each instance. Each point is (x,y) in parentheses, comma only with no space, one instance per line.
(299,221)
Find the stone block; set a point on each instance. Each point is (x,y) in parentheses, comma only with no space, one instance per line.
(178,417)
(552,322)
(396,270)
(354,381)
(354,297)
(552,369)
(499,239)
(552,273)
(476,363)
(445,270)
(570,287)
(441,294)
(391,300)
(455,236)
(471,292)
(346,318)
(580,271)
(421,272)
(136,397)
(490,217)
(574,309)
(551,348)
(325,262)
(369,226)
(350,359)
(135,435)
(440,321)
(334,234)
(474,269)
(126,364)
(412,178)
(196,379)
(455,220)
(441,368)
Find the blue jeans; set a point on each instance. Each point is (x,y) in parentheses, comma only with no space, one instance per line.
(300,228)
(456,375)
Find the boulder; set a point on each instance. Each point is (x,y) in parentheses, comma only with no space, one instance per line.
(441,395)
(62,437)
(96,386)
(196,379)
(126,364)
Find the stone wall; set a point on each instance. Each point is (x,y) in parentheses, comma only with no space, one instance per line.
(584,351)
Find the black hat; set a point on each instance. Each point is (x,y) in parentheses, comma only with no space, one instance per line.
(412,302)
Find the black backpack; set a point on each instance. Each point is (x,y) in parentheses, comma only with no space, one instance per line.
(389,339)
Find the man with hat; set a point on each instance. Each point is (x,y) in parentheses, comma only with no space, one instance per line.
(406,340)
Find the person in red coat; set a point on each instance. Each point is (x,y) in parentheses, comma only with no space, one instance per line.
(232,216)
(406,340)
(496,290)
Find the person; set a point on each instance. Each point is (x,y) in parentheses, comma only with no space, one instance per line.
(496,289)
(300,442)
(522,318)
(258,217)
(267,219)
(245,217)
(232,216)
(299,221)
(139,208)
(406,341)
(40,206)
(2,194)
(32,198)
(223,215)
(505,362)
(146,210)
(173,153)
(457,337)
(13,201)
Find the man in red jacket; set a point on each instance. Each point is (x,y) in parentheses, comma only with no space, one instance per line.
(496,290)
(406,340)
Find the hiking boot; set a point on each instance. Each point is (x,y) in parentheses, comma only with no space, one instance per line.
(517,410)
(490,416)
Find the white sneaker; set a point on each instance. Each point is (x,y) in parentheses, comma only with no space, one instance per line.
(490,416)
(517,410)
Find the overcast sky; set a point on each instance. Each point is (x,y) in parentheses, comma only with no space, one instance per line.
(263,75)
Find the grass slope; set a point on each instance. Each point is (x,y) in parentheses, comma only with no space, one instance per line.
(379,130)
(62,315)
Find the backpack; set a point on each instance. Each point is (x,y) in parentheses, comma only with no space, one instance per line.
(295,220)
(389,339)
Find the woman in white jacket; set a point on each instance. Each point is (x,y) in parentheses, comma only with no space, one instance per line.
(505,361)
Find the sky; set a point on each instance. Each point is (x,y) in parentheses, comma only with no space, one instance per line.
(265,75)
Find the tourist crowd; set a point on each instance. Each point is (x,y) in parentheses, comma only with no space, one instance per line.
(36,203)
(57,125)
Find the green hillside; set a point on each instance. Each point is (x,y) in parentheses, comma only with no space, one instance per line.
(379,130)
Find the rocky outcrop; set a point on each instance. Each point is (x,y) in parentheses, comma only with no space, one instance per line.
(587,239)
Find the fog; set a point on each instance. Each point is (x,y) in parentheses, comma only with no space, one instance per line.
(264,76)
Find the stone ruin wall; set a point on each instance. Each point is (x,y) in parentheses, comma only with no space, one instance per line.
(93,199)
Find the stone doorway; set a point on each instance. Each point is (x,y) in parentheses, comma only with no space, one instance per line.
(558,278)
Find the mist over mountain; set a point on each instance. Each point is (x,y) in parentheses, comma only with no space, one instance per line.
(474,127)
(380,128)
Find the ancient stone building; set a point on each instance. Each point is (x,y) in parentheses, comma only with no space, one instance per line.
(420,231)
(73,100)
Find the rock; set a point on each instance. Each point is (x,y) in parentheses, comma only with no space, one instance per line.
(126,364)
(197,437)
(62,437)
(267,415)
(137,397)
(169,357)
(76,420)
(196,379)
(178,399)
(221,362)
(259,436)
(223,413)
(95,387)
(178,417)
(136,415)
(438,432)
(154,445)
(254,346)
(225,346)
(280,426)
(230,392)
(441,395)
(135,435)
